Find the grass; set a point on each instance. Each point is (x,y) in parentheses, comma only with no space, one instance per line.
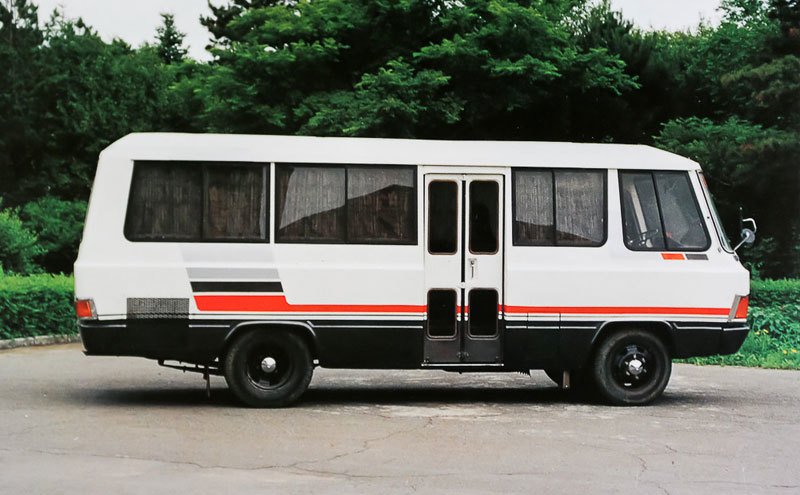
(774,340)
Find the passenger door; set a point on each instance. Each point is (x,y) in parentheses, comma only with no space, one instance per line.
(463,269)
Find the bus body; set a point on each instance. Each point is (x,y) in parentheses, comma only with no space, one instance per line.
(258,257)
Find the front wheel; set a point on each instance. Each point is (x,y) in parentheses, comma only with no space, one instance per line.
(268,368)
(631,368)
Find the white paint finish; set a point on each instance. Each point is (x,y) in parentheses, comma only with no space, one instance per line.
(350,274)
(304,149)
(110,268)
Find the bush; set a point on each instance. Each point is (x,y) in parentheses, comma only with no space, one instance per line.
(58,224)
(774,340)
(18,245)
(36,305)
(774,292)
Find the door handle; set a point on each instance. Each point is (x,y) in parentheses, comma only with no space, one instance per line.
(472,263)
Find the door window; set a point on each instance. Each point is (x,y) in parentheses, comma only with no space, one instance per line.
(441,313)
(483,217)
(442,217)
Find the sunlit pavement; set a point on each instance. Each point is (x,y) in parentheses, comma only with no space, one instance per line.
(75,424)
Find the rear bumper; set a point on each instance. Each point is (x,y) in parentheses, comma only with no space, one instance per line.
(171,339)
(696,341)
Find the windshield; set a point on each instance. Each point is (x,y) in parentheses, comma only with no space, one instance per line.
(723,237)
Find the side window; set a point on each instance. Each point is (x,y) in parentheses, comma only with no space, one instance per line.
(660,212)
(310,204)
(346,204)
(165,202)
(684,228)
(533,208)
(559,207)
(195,201)
(580,208)
(641,221)
(235,203)
(381,205)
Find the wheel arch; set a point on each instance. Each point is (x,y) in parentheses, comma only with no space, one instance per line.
(661,328)
(301,329)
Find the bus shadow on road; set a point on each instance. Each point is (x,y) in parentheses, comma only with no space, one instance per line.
(376,395)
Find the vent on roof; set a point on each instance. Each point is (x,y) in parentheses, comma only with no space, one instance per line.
(158,307)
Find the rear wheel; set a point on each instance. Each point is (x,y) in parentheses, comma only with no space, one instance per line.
(631,368)
(268,368)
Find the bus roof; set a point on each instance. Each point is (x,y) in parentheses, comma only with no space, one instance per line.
(306,149)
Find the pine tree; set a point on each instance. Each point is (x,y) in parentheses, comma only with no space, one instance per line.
(170,41)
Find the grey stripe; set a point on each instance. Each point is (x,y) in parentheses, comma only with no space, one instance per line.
(202,252)
(232,273)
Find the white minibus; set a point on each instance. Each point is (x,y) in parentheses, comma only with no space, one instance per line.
(261,257)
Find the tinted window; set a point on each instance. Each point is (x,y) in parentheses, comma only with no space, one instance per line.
(442,217)
(165,203)
(310,204)
(346,204)
(483,216)
(441,313)
(561,207)
(197,201)
(381,205)
(533,212)
(659,212)
(580,208)
(483,312)
(235,204)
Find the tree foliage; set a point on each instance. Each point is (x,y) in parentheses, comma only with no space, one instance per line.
(572,70)
(170,41)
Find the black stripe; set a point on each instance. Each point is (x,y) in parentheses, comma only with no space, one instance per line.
(237,287)
(695,256)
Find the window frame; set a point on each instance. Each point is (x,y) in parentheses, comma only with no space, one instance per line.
(201,166)
(346,242)
(555,243)
(652,174)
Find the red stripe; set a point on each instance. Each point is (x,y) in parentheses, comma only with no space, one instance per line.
(618,310)
(673,256)
(279,304)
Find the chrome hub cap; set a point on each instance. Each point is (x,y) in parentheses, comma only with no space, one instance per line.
(268,365)
(635,367)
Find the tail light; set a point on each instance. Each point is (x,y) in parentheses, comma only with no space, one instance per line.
(741,303)
(84,308)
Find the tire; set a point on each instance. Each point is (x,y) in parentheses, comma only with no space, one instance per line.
(256,385)
(631,368)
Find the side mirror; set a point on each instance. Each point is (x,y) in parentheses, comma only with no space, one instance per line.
(748,236)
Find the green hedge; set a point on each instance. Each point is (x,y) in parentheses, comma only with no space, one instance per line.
(765,293)
(36,305)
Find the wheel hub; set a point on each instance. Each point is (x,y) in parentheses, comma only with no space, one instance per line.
(635,366)
(268,365)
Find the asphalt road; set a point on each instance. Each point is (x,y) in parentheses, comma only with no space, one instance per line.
(74,424)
